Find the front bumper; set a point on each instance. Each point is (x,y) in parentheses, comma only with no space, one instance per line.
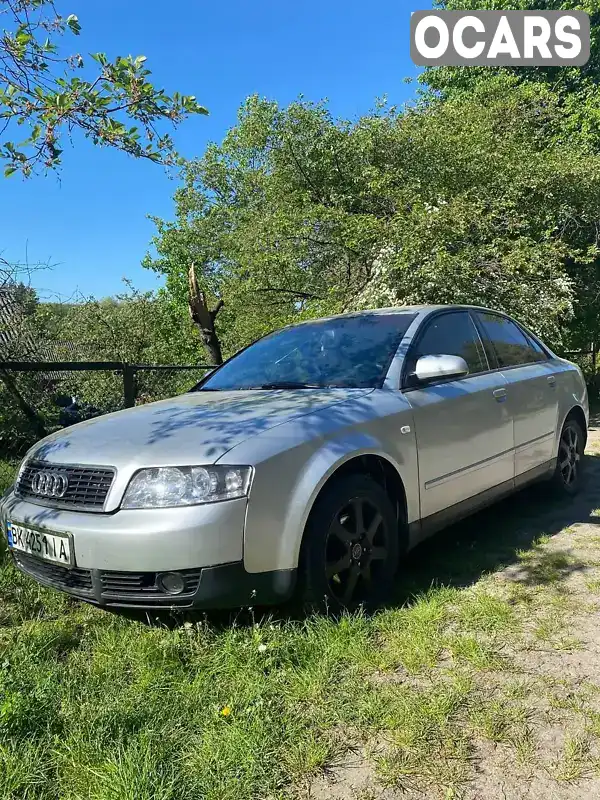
(118,556)
(142,540)
(223,586)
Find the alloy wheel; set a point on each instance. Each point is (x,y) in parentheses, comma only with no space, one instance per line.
(356,548)
(569,455)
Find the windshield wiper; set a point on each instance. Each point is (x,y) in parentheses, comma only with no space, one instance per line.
(274,385)
(292,385)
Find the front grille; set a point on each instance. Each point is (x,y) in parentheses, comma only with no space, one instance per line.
(75,580)
(87,489)
(142,587)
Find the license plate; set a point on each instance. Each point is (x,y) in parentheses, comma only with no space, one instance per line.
(41,544)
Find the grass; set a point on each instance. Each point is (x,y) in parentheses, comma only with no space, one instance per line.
(100,707)
(575,761)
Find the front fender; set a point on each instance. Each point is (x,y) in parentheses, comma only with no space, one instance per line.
(279,507)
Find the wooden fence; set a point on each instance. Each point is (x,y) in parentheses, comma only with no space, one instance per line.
(128,371)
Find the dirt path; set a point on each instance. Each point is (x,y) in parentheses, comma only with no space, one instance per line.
(532,724)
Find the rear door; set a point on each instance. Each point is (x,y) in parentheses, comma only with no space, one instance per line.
(532,396)
(463,427)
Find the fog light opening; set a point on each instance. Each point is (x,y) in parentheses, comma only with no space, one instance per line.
(170,582)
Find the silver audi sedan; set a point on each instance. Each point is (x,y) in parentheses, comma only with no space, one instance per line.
(309,463)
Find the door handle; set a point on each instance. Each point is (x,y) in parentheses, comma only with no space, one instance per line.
(551,380)
(499,395)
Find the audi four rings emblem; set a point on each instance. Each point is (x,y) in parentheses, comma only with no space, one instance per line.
(50,484)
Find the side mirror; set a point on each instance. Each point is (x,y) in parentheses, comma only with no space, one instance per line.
(433,368)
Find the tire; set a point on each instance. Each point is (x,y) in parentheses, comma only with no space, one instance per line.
(350,549)
(569,464)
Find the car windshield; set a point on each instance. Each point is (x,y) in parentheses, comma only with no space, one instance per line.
(353,352)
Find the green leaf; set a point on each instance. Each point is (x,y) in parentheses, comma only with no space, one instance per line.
(23,37)
(8,171)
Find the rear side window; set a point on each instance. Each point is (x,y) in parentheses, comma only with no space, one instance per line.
(511,346)
(452,335)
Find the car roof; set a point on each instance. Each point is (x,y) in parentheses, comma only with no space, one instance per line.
(414,309)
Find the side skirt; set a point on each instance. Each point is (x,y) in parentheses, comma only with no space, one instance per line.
(423,529)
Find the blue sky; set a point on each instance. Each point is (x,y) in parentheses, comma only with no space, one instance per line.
(91,221)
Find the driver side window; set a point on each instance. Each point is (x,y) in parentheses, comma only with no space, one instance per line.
(452,334)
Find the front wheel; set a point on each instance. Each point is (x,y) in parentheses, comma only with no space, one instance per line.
(350,549)
(567,476)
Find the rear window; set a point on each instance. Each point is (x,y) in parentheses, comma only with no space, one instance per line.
(510,344)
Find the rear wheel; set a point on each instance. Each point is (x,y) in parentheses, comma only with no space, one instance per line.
(350,549)
(567,476)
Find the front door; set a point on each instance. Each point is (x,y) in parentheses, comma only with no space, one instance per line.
(532,396)
(463,427)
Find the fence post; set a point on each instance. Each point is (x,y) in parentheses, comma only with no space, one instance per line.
(129,388)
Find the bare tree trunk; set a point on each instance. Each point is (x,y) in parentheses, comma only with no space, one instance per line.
(34,418)
(204,319)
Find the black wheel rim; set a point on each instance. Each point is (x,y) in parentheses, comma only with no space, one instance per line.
(569,456)
(356,550)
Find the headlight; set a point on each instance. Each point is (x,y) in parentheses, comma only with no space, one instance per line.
(161,487)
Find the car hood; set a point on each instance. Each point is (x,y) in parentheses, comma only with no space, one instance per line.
(195,428)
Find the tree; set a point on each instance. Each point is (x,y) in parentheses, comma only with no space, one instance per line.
(562,78)
(467,199)
(51,94)
(46,95)
(576,93)
(135,327)
(251,219)
(204,318)
(576,88)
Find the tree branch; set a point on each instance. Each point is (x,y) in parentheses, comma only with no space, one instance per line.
(203,318)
